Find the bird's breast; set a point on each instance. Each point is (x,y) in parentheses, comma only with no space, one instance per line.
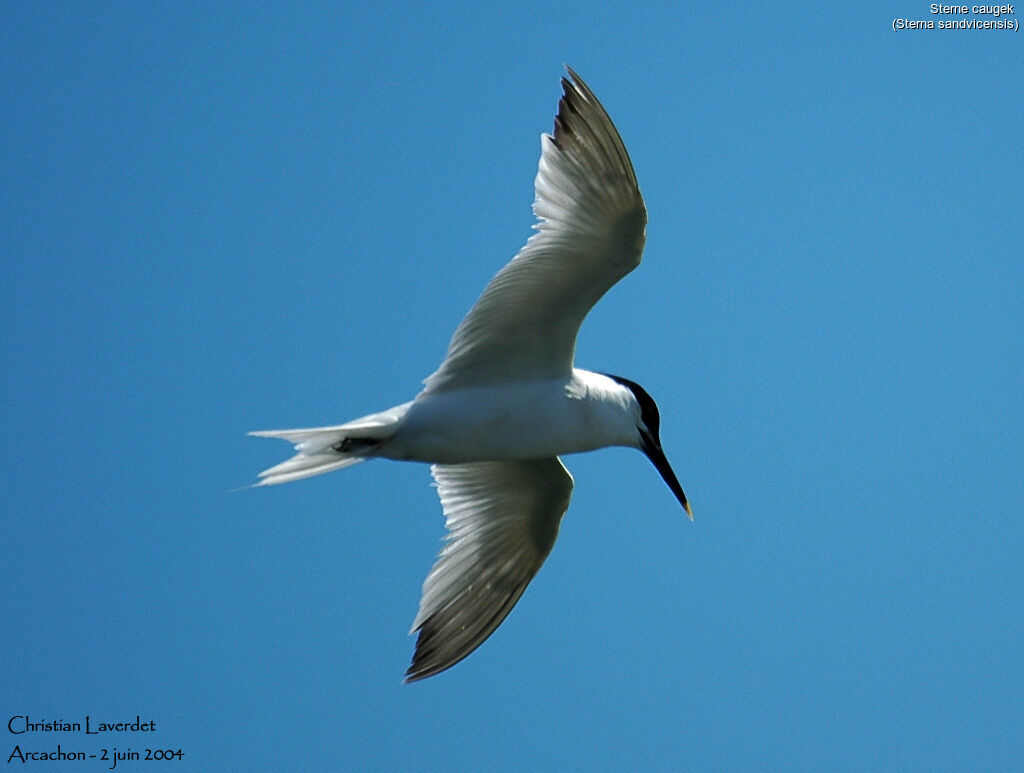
(509,421)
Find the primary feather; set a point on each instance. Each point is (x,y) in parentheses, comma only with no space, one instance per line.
(590,234)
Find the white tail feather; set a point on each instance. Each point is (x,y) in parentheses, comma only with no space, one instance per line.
(302,466)
(316,446)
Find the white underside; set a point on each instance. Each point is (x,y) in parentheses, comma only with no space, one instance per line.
(525,420)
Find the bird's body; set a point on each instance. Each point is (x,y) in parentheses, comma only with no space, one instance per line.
(507,401)
(525,420)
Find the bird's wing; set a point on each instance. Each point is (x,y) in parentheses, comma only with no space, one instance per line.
(590,235)
(502,519)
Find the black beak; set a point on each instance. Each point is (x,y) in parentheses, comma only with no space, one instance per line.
(653,450)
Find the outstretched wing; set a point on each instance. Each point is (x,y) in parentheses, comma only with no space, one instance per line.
(590,235)
(502,519)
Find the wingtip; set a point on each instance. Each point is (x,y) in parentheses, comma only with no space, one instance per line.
(411,677)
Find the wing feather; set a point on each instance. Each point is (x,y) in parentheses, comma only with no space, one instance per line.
(502,519)
(590,234)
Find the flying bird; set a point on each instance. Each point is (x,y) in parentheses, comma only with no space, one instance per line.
(507,401)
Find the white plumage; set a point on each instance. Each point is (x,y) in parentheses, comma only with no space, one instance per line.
(507,400)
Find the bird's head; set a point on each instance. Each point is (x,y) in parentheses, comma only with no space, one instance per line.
(649,441)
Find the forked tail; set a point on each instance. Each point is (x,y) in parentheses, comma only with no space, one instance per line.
(323,449)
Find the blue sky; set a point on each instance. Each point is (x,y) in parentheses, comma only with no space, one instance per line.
(220,219)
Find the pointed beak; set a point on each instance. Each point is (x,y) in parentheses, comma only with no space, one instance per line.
(656,455)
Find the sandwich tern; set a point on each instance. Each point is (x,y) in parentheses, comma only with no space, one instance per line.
(507,401)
